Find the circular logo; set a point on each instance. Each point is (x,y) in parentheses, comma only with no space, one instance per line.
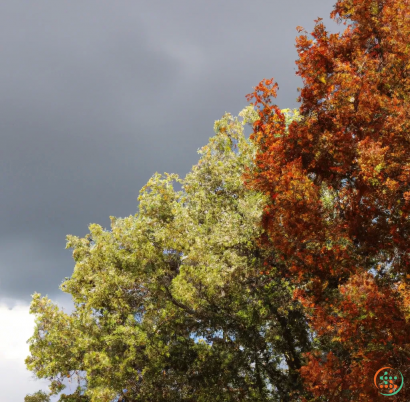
(388,381)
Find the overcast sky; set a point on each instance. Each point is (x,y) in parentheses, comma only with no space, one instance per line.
(97,96)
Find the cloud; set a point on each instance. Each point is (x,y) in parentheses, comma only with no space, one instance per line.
(17,326)
(97,96)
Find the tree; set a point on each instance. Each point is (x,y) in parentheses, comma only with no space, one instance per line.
(176,303)
(339,195)
(39,396)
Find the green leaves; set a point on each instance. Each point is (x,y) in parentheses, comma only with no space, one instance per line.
(186,267)
(39,396)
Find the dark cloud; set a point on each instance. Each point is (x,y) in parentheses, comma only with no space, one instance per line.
(97,96)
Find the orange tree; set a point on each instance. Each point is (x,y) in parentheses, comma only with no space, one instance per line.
(338,184)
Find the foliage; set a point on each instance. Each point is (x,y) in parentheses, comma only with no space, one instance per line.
(338,184)
(39,396)
(292,287)
(176,303)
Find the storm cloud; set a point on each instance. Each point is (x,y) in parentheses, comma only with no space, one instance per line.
(97,96)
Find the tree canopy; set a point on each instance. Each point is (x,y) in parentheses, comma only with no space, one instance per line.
(175,303)
(339,195)
(281,270)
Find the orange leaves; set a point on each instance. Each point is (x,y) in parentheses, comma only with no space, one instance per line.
(316,377)
(369,311)
(353,141)
(267,92)
(372,157)
(368,345)
(404,291)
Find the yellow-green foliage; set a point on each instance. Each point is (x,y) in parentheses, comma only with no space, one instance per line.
(171,303)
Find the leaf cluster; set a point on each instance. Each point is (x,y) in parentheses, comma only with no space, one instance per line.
(178,302)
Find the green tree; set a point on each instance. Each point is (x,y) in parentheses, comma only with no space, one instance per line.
(178,303)
(39,396)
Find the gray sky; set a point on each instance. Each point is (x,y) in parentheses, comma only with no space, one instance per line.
(96,96)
